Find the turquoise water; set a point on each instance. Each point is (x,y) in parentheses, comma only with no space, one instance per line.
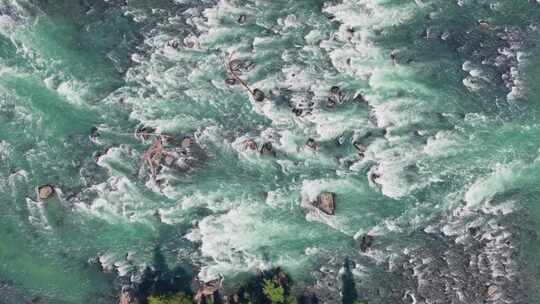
(442,94)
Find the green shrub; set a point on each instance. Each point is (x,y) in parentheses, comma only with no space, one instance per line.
(273,291)
(291,300)
(276,293)
(178,298)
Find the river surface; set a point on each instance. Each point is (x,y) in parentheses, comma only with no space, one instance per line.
(423,118)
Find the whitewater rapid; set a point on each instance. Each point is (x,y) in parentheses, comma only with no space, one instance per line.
(440,95)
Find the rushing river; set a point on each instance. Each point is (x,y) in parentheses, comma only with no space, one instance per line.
(422,117)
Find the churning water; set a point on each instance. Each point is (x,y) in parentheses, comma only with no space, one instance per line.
(423,118)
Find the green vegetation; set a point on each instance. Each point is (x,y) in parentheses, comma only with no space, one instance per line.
(276,294)
(179,298)
(273,291)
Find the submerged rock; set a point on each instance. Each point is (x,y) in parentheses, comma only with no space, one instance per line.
(45,191)
(230,81)
(258,95)
(242,19)
(326,202)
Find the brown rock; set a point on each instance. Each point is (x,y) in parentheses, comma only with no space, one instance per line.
(207,289)
(45,191)
(127,297)
(326,203)
(250,144)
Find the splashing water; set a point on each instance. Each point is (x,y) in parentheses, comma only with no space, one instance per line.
(422,117)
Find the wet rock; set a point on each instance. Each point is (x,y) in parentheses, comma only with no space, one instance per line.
(169,160)
(144,132)
(366,241)
(358,146)
(326,202)
(336,96)
(236,65)
(230,81)
(207,291)
(267,149)
(187,142)
(94,132)
(128,297)
(297,111)
(374,176)
(359,97)
(258,95)
(250,144)
(473,231)
(312,144)
(173,43)
(45,191)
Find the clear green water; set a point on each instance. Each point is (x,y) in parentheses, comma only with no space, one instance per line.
(454,125)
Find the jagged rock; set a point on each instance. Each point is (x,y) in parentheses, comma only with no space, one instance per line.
(366,241)
(359,97)
(326,203)
(473,230)
(336,96)
(127,297)
(187,142)
(173,43)
(258,95)
(169,160)
(267,149)
(311,143)
(144,132)
(250,144)
(45,191)
(207,289)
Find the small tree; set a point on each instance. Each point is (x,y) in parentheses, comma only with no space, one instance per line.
(274,292)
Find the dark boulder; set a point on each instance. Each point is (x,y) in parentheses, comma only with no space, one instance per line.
(267,149)
(258,95)
(366,241)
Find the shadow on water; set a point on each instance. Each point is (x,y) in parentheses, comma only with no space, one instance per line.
(350,295)
(160,279)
